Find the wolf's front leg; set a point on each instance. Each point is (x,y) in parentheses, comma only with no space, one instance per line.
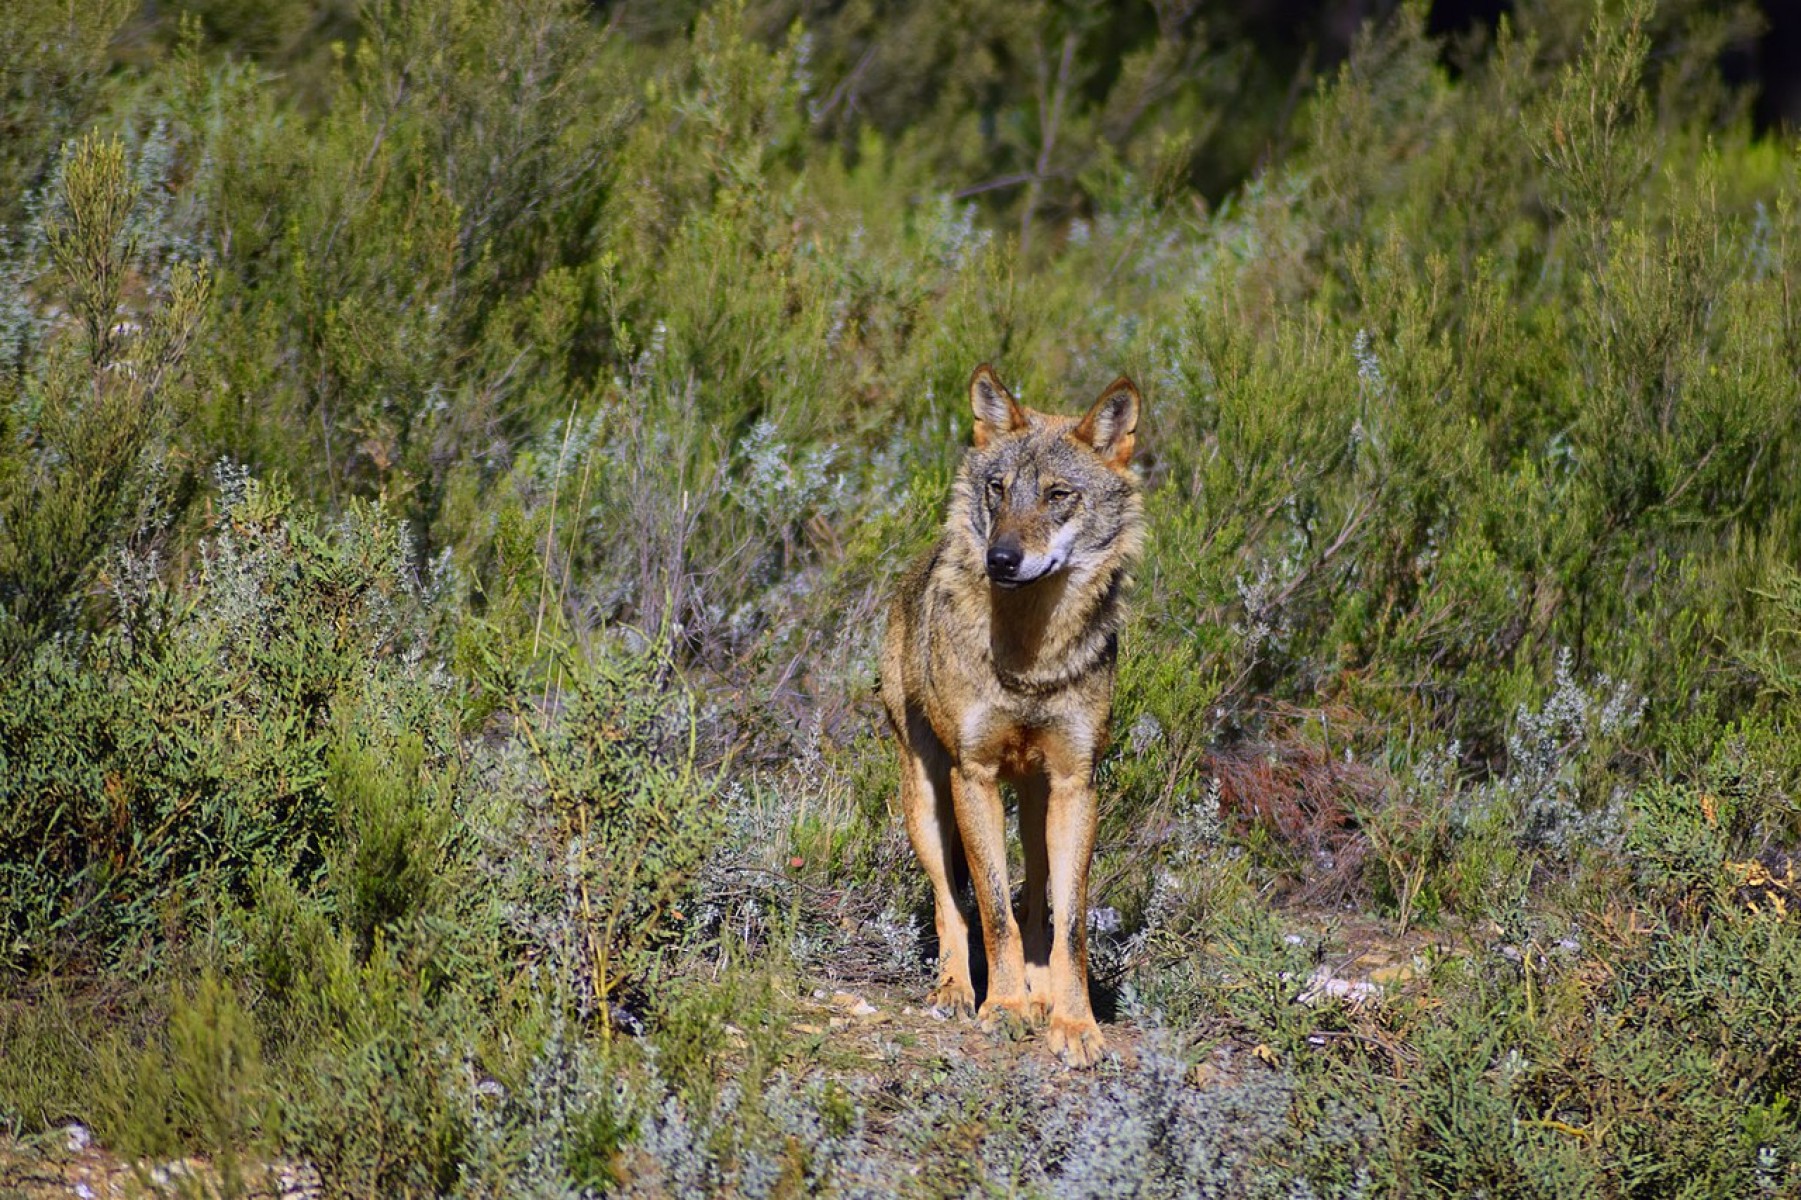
(982,822)
(1069,837)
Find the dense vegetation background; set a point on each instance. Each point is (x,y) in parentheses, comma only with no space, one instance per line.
(452,454)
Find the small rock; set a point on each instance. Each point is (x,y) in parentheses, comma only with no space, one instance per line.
(1203,1074)
(1352,991)
(856,1006)
(79,1138)
(170,1174)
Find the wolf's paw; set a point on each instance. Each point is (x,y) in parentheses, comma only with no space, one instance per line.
(1077,1042)
(1038,995)
(953,996)
(1005,1018)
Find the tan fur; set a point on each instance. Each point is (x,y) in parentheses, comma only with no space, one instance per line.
(998,667)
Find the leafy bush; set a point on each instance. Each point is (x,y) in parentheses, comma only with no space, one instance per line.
(162,764)
(86,461)
(615,819)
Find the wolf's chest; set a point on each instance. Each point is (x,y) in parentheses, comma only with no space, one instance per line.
(1018,739)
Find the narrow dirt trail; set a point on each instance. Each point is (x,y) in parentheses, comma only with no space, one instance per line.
(45,1170)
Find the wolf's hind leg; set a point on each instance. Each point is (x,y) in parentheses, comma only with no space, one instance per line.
(932,827)
(1035,931)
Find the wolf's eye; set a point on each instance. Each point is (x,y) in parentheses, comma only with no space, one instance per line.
(1060,495)
(995,486)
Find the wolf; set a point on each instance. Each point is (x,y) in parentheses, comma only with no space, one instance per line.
(997,666)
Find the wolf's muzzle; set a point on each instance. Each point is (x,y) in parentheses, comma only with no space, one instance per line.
(1003,562)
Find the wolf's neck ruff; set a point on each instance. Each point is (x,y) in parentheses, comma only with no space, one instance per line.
(1049,635)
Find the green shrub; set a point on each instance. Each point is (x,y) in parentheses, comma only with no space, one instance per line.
(50,86)
(87,461)
(615,813)
(156,768)
(386,875)
(201,1082)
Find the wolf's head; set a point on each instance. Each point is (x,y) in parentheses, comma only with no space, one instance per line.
(1043,493)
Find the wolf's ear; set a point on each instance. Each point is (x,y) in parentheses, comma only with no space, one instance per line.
(997,412)
(1111,424)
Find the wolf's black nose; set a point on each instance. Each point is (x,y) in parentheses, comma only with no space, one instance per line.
(1003,560)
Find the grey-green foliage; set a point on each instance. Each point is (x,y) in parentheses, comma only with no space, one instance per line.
(404,268)
(190,746)
(1392,452)
(50,86)
(612,816)
(87,461)
(1151,1133)
(780,1137)
(396,814)
(1141,1129)
(553,1133)
(201,1078)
